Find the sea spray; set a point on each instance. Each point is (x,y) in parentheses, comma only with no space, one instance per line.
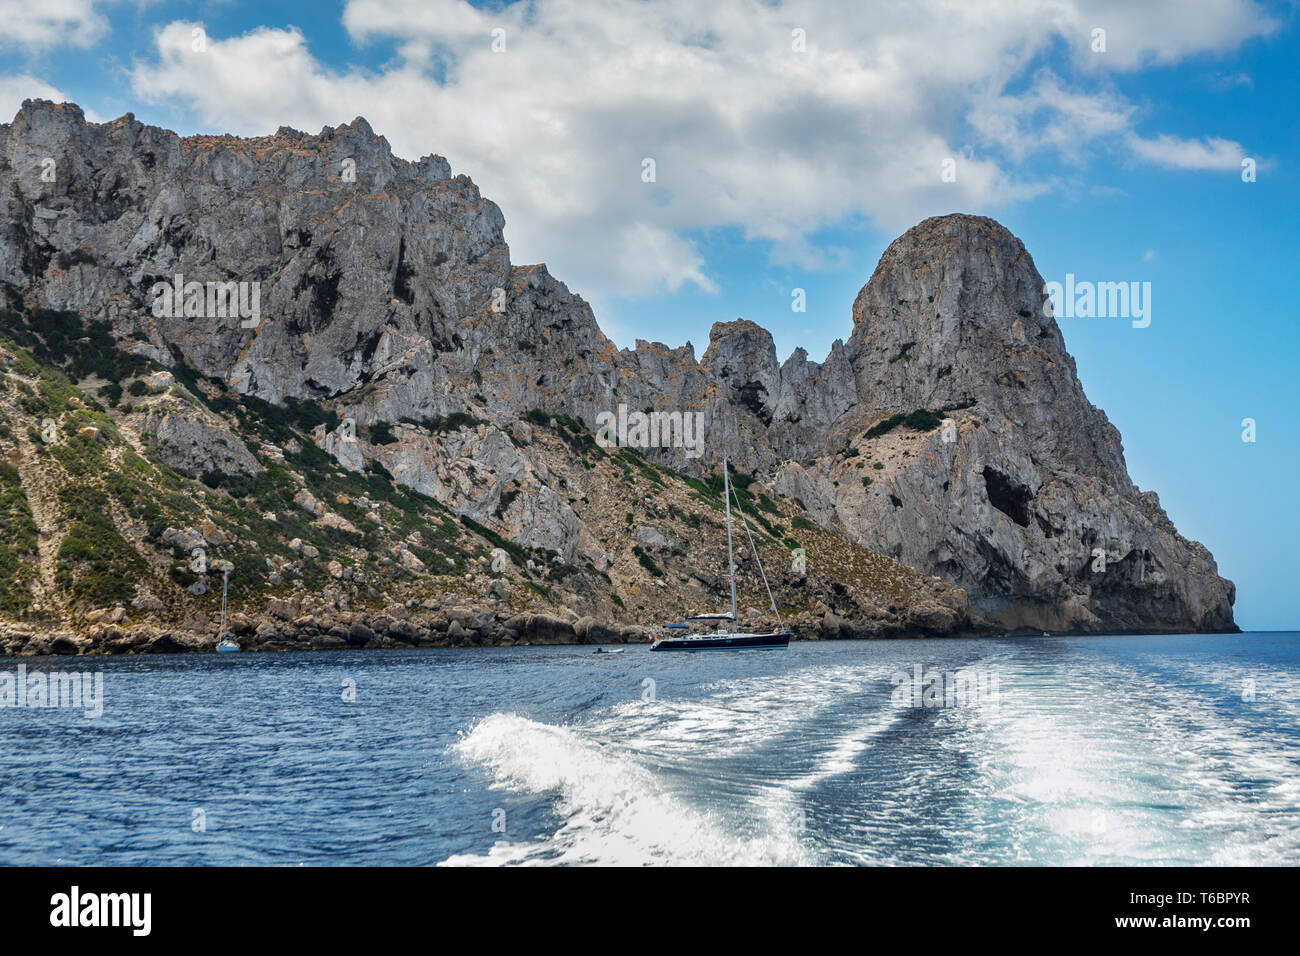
(615,811)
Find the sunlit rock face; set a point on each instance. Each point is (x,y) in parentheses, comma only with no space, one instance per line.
(1022,497)
(384,290)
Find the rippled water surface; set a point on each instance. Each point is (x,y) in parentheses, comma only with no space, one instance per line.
(1163,750)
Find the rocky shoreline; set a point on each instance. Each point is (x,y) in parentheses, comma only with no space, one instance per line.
(397,627)
(400,627)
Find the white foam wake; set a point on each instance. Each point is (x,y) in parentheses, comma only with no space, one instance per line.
(615,811)
(1119,766)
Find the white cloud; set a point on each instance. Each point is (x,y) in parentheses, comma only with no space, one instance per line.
(437,19)
(1174,152)
(1050,116)
(50,23)
(649,259)
(809,256)
(250,84)
(1160,33)
(746,133)
(1230,81)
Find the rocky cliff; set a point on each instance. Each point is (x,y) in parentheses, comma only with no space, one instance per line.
(949,434)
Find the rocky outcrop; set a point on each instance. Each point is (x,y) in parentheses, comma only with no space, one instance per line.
(1024,499)
(196,444)
(384,289)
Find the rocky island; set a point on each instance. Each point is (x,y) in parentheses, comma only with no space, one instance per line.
(355,403)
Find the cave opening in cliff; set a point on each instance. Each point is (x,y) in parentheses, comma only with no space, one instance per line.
(1008,496)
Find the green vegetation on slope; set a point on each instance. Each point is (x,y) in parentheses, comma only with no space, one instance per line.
(921,420)
(17,542)
(96,565)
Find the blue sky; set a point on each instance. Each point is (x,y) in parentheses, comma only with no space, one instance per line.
(780,168)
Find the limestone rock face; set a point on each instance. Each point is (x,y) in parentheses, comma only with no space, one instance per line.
(195,444)
(480,473)
(954,318)
(1023,498)
(742,357)
(384,290)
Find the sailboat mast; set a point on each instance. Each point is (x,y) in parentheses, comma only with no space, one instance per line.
(225,583)
(731,561)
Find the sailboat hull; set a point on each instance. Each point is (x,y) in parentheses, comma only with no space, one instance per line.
(723,642)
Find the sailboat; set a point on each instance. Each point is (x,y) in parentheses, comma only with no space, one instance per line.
(227,643)
(732,640)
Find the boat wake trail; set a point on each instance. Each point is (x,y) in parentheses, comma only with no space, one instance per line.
(615,811)
(1092,757)
(1085,771)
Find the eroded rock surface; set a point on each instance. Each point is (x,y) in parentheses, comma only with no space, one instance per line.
(390,295)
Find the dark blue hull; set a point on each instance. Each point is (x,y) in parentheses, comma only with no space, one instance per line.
(723,642)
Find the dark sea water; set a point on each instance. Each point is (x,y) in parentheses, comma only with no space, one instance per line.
(1147,750)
